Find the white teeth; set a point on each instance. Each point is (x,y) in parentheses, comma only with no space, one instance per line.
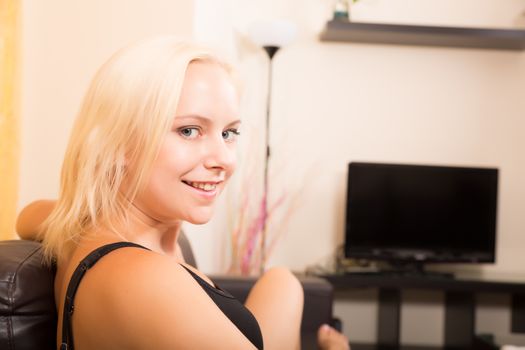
(203,186)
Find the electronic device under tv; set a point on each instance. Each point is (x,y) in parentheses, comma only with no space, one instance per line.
(410,215)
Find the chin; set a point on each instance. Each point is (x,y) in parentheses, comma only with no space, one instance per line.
(198,221)
(199,218)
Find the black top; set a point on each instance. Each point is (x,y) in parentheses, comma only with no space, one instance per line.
(236,312)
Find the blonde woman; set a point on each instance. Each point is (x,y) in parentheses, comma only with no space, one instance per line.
(152,146)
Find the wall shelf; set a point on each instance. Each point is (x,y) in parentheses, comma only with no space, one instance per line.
(483,38)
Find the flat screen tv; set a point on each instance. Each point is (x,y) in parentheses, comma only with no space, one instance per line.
(413,214)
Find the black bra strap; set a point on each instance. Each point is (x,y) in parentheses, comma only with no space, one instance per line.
(85,264)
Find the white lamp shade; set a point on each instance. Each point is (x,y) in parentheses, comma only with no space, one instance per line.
(272,33)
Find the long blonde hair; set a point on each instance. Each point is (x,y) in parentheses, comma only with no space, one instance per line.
(126,112)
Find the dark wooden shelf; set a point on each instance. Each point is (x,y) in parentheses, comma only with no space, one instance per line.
(482,38)
(480,342)
(459,301)
(364,346)
(460,283)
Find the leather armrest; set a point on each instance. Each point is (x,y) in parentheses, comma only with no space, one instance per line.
(27,305)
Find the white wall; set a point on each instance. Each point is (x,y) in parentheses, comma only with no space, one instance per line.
(333,103)
(357,102)
(339,102)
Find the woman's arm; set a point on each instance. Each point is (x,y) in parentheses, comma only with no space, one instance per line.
(31,218)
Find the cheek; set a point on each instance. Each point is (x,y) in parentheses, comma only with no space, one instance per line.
(233,165)
(174,157)
(166,171)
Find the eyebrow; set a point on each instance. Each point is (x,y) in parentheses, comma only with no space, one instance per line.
(204,119)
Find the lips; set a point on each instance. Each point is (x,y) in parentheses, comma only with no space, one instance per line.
(204,186)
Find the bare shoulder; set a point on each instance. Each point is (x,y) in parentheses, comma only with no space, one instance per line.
(31,217)
(134,298)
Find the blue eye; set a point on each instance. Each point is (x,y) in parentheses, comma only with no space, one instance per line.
(230,134)
(189,132)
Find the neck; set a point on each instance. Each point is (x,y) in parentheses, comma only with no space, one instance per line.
(145,230)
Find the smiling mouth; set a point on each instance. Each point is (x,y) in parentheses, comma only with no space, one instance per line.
(204,186)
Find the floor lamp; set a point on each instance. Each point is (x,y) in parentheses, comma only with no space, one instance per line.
(271,36)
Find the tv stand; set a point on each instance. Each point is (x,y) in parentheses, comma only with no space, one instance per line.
(459,293)
(406,273)
(402,269)
(412,269)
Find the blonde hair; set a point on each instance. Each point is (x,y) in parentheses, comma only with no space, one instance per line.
(128,108)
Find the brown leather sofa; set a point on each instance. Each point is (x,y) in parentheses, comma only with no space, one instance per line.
(27,307)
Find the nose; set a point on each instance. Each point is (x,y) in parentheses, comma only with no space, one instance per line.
(220,155)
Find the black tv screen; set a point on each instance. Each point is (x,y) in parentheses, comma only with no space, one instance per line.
(421,213)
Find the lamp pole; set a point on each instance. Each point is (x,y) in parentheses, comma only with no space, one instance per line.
(270,35)
(270,51)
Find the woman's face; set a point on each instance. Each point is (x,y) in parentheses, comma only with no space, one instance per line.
(198,155)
